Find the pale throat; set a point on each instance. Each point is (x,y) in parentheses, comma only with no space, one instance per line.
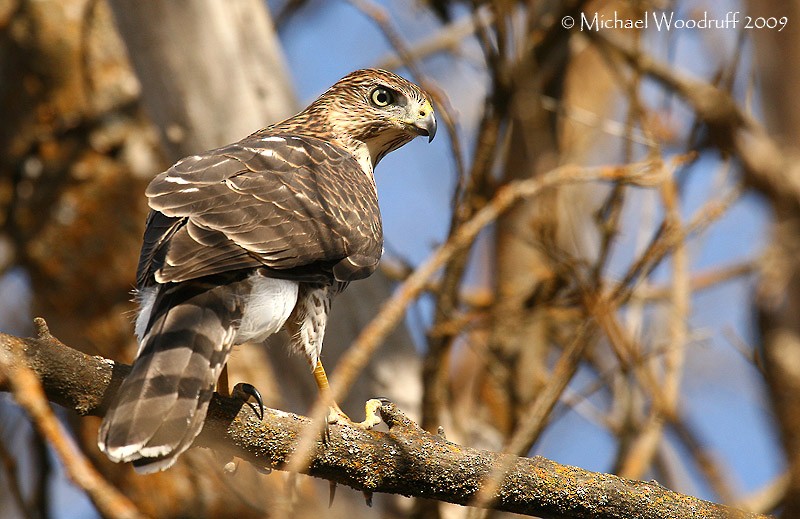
(385,142)
(361,152)
(358,148)
(368,152)
(371,151)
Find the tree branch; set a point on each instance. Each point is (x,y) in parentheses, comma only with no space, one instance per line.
(405,460)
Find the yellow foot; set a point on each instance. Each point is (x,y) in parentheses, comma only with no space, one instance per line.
(372,418)
(336,415)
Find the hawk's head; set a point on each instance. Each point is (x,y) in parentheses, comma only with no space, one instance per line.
(373,112)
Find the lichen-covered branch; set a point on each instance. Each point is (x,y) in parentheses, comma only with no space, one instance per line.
(405,460)
(27,391)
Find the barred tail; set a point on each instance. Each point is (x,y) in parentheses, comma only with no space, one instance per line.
(161,405)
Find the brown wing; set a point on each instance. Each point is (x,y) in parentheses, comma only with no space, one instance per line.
(299,206)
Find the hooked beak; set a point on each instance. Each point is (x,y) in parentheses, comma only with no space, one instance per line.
(425,122)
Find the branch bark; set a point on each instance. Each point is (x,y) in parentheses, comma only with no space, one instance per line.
(405,460)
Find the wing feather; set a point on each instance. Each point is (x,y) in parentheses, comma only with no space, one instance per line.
(298,206)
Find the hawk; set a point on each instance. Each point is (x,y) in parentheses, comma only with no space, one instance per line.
(251,238)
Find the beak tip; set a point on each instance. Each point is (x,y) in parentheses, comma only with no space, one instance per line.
(431,129)
(424,126)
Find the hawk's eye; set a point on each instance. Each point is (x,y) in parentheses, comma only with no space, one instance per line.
(382,97)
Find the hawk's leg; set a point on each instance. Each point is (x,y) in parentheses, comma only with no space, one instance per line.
(223,387)
(335,413)
(306,327)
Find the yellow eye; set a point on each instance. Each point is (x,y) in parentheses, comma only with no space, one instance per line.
(381,97)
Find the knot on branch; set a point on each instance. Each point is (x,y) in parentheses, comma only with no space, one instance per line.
(394,418)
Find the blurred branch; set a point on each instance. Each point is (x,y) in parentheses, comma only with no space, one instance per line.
(667,238)
(405,460)
(768,497)
(750,353)
(475,298)
(645,444)
(700,281)
(24,384)
(716,473)
(448,39)
(539,411)
(9,465)
(769,168)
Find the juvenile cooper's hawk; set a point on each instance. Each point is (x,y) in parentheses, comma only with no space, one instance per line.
(248,239)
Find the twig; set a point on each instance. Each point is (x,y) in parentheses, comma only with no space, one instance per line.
(476,298)
(709,466)
(767,497)
(468,197)
(748,352)
(447,39)
(769,167)
(667,238)
(699,281)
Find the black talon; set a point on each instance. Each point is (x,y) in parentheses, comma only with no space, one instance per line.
(243,390)
(331,492)
(367,497)
(252,391)
(326,434)
(262,470)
